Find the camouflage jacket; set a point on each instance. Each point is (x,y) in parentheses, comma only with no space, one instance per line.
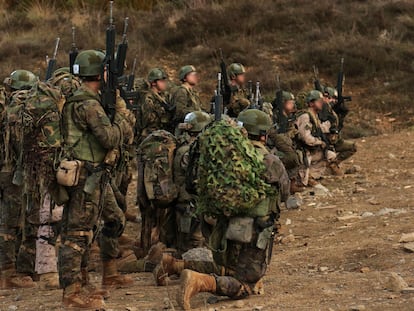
(155,114)
(185,100)
(87,130)
(308,125)
(238,101)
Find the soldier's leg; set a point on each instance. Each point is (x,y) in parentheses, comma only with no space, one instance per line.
(26,257)
(167,226)
(345,149)
(114,223)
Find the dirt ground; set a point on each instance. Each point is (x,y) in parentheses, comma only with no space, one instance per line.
(337,252)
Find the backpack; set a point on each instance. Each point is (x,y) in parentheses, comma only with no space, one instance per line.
(229,172)
(157,158)
(42,112)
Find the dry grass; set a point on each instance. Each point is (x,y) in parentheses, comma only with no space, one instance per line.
(285,37)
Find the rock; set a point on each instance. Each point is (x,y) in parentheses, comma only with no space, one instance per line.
(408,290)
(395,282)
(365,270)
(348,217)
(131,309)
(367,214)
(354,169)
(288,239)
(407,237)
(372,201)
(12,308)
(357,308)
(257,308)
(288,222)
(387,211)
(198,254)
(239,304)
(359,190)
(392,156)
(323,269)
(320,190)
(409,247)
(293,202)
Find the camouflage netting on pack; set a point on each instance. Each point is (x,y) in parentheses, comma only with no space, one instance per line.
(230,172)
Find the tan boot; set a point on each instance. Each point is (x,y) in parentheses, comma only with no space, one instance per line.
(193,283)
(91,289)
(111,277)
(168,266)
(50,280)
(335,169)
(10,279)
(73,298)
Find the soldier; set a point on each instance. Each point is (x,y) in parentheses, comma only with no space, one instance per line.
(281,136)
(90,140)
(344,148)
(185,99)
(239,97)
(245,264)
(312,141)
(156,112)
(11,188)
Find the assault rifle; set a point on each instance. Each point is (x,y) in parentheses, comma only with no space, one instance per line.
(257,98)
(218,99)
(51,62)
(73,52)
(340,107)
(251,94)
(127,89)
(225,87)
(316,81)
(278,102)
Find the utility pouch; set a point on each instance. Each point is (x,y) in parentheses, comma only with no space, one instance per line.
(112,157)
(240,229)
(185,223)
(68,173)
(92,182)
(264,238)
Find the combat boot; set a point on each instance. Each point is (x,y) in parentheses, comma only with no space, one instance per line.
(335,169)
(10,279)
(295,186)
(73,298)
(193,283)
(89,288)
(50,280)
(168,266)
(130,263)
(111,277)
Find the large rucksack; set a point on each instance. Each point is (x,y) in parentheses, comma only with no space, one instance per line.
(229,171)
(156,155)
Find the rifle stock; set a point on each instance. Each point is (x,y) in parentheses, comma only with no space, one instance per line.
(225,88)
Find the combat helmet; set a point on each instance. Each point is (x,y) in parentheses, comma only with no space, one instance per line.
(313,95)
(197,121)
(331,92)
(185,70)
(156,74)
(287,96)
(88,63)
(21,79)
(255,122)
(235,69)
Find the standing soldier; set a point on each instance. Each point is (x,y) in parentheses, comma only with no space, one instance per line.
(239,97)
(185,99)
(312,141)
(156,112)
(90,140)
(11,188)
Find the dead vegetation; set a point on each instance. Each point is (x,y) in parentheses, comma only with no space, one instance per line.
(286,37)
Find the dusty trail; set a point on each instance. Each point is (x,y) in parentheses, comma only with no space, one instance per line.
(336,253)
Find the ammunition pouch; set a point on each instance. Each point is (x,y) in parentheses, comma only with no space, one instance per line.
(240,229)
(68,173)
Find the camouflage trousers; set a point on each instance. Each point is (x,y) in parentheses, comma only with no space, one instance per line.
(345,149)
(238,281)
(10,222)
(188,232)
(80,219)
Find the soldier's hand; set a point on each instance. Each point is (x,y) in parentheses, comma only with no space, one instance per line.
(323,145)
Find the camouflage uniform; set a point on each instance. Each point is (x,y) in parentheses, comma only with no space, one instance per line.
(240,266)
(238,101)
(10,194)
(155,114)
(185,100)
(314,156)
(89,135)
(188,226)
